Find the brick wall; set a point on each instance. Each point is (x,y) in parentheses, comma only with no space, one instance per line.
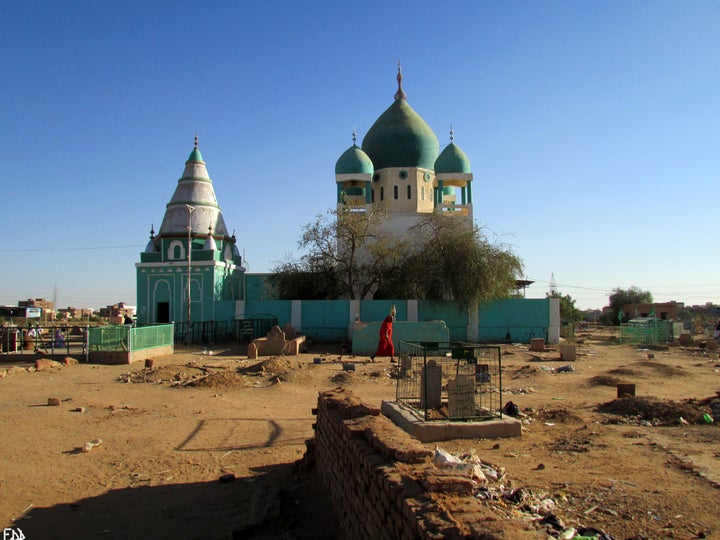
(384,485)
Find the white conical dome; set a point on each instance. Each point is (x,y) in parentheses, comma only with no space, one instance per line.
(194,195)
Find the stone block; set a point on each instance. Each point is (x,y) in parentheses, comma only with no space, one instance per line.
(568,353)
(625,390)
(537,344)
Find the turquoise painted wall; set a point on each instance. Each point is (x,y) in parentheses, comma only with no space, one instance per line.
(256,288)
(523,319)
(377,310)
(326,320)
(456,320)
(282,309)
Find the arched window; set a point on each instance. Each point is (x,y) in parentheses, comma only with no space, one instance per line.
(176,250)
(395,192)
(409,191)
(422,193)
(382,193)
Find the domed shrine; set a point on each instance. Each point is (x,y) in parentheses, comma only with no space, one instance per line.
(192,247)
(400,169)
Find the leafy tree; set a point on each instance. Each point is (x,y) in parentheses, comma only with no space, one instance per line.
(568,311)
(441,258)
(621,297)
(455,260)
(298,280)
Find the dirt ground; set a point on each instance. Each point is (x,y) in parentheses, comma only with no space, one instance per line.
(203,445)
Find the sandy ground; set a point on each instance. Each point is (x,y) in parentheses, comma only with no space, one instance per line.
(205,447)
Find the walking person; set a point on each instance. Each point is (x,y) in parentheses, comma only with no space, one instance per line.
(385,345)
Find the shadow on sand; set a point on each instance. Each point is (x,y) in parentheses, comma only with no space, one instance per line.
(279,502)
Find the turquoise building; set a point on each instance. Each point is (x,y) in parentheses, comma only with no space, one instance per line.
(193,247)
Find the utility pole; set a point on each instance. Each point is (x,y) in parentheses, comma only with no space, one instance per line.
(190,210)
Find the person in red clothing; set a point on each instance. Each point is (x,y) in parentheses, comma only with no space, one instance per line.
(385,346)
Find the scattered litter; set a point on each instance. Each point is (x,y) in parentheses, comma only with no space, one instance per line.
(511,409)
(88,446)
(79,409)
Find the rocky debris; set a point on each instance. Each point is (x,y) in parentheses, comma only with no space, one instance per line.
(468,474)
(42,364)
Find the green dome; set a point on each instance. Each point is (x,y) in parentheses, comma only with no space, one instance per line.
(452,160)
(354,161)
(401,138)
(196,156)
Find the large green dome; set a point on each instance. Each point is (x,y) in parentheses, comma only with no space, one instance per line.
(452,160)
(401,138)
(354,161)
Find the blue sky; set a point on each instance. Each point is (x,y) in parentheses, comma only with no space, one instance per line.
(592,128)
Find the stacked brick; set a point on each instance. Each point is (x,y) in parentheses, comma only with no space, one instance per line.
(384,486)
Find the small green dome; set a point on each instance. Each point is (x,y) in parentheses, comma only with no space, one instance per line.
(195,156)
(401,138)
(452,160)
(354,161)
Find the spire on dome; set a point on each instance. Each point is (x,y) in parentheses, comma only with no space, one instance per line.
(354,135)
(452,134)
(152,231)
(210,244)
(400,94)
(196,139)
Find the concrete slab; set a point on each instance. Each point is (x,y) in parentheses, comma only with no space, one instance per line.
(436,430)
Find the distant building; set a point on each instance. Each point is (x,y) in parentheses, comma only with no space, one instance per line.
(37,302)
(665,310)
(74,313)
(47,306)
(115,311)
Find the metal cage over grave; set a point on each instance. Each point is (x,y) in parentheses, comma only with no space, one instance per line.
(450,381)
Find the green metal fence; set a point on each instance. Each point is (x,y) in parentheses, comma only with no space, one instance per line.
(646,331)
(148,337)
(128,338)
